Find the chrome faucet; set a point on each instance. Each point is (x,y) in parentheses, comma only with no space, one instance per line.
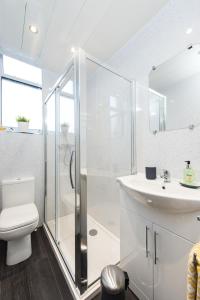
(165,175)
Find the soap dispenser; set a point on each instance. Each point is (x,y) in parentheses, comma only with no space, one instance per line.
(188,174)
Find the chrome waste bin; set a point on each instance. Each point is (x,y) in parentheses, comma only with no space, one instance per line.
(114,283)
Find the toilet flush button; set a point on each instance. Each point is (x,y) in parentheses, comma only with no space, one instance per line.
(149,201)
(18,178)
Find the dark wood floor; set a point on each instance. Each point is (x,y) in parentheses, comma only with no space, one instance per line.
(38,278)
(129,296)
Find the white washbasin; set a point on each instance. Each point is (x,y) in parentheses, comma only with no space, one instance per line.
(173,198)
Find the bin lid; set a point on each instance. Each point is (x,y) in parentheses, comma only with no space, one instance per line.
(113,279)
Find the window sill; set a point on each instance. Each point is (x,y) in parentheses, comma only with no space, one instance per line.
(15,130)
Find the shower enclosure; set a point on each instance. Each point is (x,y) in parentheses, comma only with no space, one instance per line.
(89,142)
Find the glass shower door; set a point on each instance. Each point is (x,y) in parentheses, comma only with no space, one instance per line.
(66,170)
(65,213)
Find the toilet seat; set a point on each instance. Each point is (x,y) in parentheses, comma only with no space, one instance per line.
(16,217)
(16,225)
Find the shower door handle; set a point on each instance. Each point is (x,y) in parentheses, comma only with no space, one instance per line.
(70,169)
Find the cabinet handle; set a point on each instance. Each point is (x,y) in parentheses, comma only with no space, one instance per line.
(147,242)
(155,247)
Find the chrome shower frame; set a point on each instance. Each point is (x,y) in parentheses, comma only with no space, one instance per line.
(78,62)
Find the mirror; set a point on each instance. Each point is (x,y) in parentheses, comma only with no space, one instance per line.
(174,92)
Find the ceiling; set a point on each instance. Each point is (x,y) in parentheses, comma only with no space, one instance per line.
(100,27)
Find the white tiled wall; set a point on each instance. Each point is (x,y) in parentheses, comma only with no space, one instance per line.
(163,37)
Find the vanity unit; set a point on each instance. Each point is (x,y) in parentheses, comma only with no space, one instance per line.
(159,225)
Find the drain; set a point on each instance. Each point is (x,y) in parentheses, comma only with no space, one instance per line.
(93,232)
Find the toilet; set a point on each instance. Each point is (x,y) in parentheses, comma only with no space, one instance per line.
(18,218)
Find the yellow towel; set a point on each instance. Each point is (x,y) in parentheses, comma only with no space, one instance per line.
(193,276)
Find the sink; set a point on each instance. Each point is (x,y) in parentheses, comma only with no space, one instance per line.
(171,197)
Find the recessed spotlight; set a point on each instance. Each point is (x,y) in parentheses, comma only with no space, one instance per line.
(188,31)
(33,29)
(72,49)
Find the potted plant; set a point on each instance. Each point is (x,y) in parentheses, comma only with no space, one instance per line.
(23,123)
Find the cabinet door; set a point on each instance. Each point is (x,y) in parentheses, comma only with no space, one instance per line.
(170,267)
(136,253)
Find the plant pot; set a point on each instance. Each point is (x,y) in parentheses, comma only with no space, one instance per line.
(23,126)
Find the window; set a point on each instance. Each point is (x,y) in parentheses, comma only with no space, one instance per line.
(21,94)
(20,99)
(19,69)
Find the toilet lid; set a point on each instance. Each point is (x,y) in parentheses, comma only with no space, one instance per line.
(18,216)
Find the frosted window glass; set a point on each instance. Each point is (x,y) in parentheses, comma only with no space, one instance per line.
(67,112)
(16,68)
(21,100)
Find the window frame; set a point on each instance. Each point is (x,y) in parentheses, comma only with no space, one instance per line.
(23,82)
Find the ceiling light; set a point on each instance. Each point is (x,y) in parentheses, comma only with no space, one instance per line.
(33,29)
(188,31)
(72,49)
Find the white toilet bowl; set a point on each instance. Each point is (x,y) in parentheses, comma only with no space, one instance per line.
(18,218)
(16,225)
